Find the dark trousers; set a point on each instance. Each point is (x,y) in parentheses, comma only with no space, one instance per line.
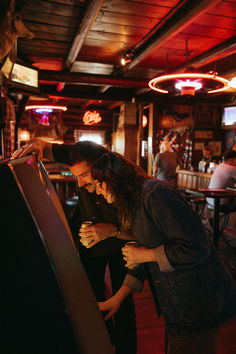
(201,344)
(123,331)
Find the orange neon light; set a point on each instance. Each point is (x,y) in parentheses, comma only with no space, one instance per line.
(61,108)
(91,118)
(157,80)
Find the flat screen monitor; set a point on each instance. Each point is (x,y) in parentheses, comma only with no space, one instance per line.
(20,76)
(229,116)
(47,303)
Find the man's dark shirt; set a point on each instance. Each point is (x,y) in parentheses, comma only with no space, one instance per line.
(90,207)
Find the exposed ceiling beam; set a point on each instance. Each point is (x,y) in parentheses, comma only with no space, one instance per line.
(152,97)
(216,53)
(89,17)
(46,76)
(183,16)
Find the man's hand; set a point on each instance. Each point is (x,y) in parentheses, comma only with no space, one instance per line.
(39,147)
(92,234)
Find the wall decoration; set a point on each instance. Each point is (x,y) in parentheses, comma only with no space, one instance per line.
(207,116)
(181,143)
(216,147)
(203,134)
(199,146)
(230,139)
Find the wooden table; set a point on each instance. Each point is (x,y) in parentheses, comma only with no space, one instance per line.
(216,194)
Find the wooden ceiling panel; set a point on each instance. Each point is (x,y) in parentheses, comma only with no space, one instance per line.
(89,37)
(127,19)
(227,8)
(59,9)
(217,21)
(50,29)
(208,31)
(135,8)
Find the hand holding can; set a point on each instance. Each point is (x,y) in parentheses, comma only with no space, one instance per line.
(85,239)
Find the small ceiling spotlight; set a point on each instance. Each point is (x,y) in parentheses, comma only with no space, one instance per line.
(126,59)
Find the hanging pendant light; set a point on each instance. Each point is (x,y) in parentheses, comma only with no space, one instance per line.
(43,112)
(190,82)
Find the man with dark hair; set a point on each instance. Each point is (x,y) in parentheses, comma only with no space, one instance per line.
(225,176)
(100,243)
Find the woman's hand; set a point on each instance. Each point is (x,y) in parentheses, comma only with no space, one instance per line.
(137,254)
(112,305)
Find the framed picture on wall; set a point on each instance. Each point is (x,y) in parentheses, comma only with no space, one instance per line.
(216,147)
(206,116)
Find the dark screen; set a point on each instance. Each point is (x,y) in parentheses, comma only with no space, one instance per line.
(47,305)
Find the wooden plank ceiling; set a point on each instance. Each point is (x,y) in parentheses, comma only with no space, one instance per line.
(80,44)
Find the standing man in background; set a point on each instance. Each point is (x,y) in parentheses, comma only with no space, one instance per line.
(225,176)
(165,164)
(100,243)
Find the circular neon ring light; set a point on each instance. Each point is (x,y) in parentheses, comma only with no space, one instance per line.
(152,83)
(60,108)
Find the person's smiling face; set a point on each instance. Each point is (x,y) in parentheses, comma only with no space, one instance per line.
(82,171)
(101,188)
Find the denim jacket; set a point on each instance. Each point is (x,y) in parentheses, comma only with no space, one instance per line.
(190,285)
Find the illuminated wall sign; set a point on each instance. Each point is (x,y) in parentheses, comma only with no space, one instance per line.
(91,118)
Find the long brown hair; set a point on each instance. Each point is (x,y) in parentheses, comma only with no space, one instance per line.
(124,181)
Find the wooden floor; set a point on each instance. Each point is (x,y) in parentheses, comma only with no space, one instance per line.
(151,328)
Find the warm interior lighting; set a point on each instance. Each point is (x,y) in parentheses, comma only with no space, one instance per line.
(189,83)
(145,121)
(126,59)
(23,135)
(43,111)
(44,120)
(91,118)
(232,82)
(45,108)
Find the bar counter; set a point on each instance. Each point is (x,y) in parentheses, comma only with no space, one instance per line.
(192,180)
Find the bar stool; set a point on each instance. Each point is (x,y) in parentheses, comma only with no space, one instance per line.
(197,203)
(225,218)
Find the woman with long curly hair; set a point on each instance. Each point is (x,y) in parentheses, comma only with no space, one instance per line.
(190,286)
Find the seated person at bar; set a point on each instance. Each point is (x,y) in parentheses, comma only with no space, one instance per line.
(225,176)
(190,285)
(165,164)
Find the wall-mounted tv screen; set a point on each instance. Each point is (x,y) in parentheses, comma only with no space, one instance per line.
(20,76)
(47,305)
(229,116)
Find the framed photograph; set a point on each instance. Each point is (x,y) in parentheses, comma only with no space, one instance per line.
(216,147)
(198,146)
(208,134)
(204,116)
